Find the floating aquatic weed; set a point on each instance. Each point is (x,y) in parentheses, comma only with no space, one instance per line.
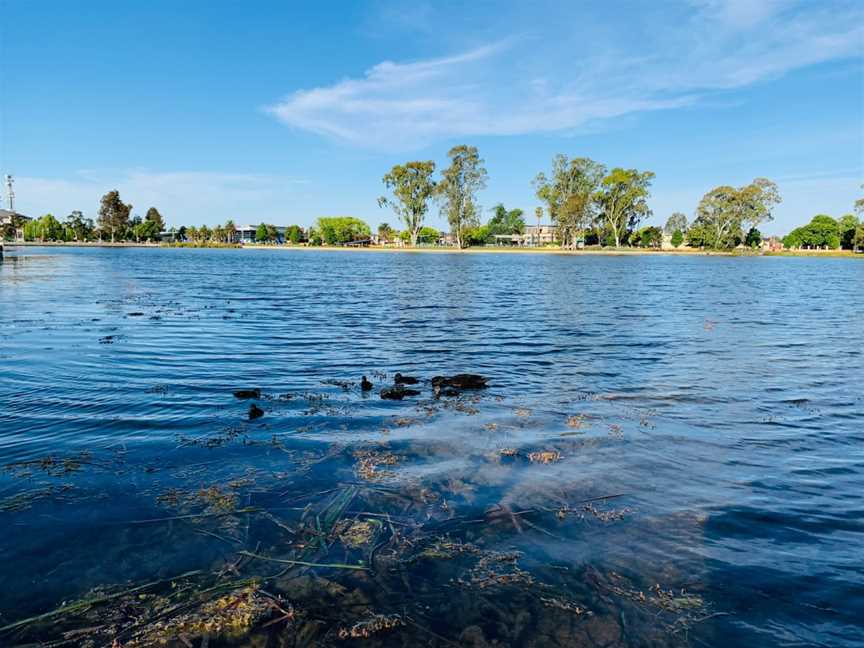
(544,456)
(491,426)
(606,516)
(368,462)
(25,500)
(496,568)
(522,412)
(445,549)
(576,421)
(564,605)
(357,533)
(373,625)
(508,452)
(229,616)
(51,465)
(616,431)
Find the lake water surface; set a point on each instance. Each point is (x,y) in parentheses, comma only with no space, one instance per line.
(670,450)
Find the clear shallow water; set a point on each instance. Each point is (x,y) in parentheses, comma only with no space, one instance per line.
(718,399)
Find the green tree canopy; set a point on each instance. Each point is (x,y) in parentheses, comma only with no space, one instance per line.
(81,228)
(650,237)
(412,186)
(677,238)
(113,214)
(506,221)
(339,230)
(570,194)
(676,221)
(294,234)
(230,231)
(154,216)
(847,226)
(148,230)
(385,232)
(821,232)
(623,200)
(46,228)
(261,233)
(457,191)
(753,238)
(725,211)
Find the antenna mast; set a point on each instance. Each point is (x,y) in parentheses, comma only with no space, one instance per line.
(10,193)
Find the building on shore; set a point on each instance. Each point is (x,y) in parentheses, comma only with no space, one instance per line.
(534,236)
(9,218)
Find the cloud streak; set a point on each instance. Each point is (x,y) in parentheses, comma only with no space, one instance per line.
(533,85)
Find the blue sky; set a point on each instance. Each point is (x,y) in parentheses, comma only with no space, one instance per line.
(284,112)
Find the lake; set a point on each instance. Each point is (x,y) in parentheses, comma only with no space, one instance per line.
(669,452)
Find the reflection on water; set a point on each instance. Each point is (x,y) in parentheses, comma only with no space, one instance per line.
(668,452)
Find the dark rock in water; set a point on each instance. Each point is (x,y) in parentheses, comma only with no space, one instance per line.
(398,392)
(365,385)
(255,412)
(460,381)
(399,379)
(247,393)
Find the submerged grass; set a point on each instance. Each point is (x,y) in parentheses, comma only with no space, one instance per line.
(332,545)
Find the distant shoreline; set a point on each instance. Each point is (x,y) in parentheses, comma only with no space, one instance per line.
(448,250)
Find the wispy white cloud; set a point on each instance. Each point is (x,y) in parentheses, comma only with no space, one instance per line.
(182,197)
(533,85)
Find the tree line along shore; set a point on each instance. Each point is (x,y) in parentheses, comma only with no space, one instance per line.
(586,204)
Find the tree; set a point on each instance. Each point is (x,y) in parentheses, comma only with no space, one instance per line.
(677,238)
(339,230)
(650,237)
(261,233)
(412,187)
(457,190)
(385,232)
(756,201)
(46,228)
(753,238)
(148,230)
(113,214)
(859,205)
(294,234)
(154,215)
(623,199)
(230,231)
(428,234)
(507,222)
(570,194)
(726,210)
(81,228)
(676,222)
(847,226)
(218,234)
(205,233)
(821,232)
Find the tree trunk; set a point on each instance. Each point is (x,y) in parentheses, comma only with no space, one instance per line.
(414,234)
